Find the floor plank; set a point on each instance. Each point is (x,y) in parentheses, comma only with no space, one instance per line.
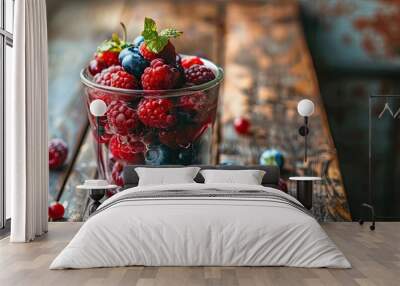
(374,255)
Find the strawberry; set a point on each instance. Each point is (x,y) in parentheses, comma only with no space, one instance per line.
(158,45)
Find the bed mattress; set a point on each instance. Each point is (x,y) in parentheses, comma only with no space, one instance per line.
(201,225)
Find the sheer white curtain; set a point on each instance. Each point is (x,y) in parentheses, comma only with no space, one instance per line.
(26,123)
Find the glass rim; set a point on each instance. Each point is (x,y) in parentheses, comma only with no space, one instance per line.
(219,74)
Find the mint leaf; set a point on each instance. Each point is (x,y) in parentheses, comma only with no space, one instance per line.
(170,33)
(150,29)
(156,42)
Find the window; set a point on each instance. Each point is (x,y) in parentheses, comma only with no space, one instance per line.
(6,44)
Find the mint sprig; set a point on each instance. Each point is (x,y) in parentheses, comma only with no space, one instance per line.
(155,41)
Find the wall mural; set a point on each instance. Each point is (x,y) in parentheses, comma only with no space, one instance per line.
(268,70)
(355,47)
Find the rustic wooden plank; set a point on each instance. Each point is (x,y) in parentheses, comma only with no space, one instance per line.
(200,37)
(74,200)
(268,70)
(67,113)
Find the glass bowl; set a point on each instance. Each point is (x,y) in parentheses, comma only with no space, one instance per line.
(181,136)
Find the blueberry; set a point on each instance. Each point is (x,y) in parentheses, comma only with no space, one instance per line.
(138,41)
(185,118)
(133,62)
(124,53)
(159,155)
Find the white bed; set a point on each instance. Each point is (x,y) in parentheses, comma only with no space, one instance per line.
(224,225)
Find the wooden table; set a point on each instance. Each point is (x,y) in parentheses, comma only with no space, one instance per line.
(268,69)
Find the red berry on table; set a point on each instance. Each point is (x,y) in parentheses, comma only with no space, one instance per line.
(121,118)
(109,58)
(242,125)
(56,211)
(127,148)
(198,74)
(115,76)
(96,67)
(190,61)
(117,173)
(58,152)
(157,112)
(159,76)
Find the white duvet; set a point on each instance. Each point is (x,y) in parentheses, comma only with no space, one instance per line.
(183,231)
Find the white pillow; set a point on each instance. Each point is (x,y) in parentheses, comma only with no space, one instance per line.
(163,176)
(248,177)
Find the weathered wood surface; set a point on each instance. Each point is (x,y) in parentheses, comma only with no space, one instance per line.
(72,198)
(268,70)
(72,33)
(374,257)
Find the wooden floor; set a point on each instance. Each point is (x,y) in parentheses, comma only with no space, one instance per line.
(375,257)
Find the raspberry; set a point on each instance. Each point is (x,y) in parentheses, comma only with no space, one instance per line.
(117,173)
(190,61)
(196,102)
(157,113)
(115,76)
(159,76)
(196,105)
(198,74)
(127,148)
(168,53)
(122,118)
(109,58)
(175,138)
(58,152)
(181,137)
